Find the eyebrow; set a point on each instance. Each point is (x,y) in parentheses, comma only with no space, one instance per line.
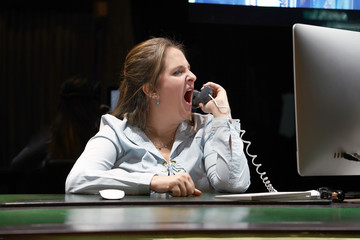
(181,66)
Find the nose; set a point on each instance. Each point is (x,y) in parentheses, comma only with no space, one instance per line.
(191,76)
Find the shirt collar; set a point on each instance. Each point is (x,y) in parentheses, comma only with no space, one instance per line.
(138,136)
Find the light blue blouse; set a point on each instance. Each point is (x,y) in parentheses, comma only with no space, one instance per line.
(121,156)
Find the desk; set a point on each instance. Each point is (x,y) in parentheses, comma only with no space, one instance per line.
(142,217)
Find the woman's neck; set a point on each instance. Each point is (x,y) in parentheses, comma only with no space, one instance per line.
(160,125)
(163,137)
(161,131)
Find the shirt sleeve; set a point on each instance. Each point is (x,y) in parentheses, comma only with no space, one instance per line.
(225,162)
(94,171)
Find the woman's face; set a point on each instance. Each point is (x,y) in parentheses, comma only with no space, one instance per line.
(176,85)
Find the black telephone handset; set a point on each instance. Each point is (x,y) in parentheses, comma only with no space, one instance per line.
(201,97)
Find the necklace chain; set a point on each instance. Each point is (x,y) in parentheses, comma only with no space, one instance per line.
(166,145)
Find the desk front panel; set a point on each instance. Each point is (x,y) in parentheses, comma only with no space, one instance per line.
(90,215)
(173,218)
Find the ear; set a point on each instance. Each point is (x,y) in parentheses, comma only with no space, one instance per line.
(149,91)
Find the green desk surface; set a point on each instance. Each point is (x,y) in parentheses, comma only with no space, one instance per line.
(36,200)
(202,217)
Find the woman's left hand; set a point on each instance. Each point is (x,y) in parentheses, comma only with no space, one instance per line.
(219,94)
(179,185)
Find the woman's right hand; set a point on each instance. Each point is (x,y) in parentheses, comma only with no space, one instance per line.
(180,185)
(223,108)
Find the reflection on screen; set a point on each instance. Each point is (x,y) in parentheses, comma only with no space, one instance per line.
(321,4)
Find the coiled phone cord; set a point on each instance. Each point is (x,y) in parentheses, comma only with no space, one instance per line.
(262,175)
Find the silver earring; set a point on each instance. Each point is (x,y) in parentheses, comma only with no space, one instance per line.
(157,102)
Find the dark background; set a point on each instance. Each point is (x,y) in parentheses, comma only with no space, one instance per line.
(43,44)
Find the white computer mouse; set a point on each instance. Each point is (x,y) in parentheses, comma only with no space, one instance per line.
(112,194)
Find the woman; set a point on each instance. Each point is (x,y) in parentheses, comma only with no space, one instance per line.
(153,142)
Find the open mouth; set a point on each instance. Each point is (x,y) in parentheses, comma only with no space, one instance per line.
(188,96)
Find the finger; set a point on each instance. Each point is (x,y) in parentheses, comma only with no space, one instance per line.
(191,187)
(175,191)
(211,84)
(180,185)
(183,189)
(197,192)
(216,87)
(186,184)
(202,107)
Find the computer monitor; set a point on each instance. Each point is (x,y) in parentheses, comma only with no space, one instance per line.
(334,13)
(327,100)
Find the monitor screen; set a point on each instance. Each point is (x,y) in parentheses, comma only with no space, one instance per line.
(319,4)
(331,13)
(327,100)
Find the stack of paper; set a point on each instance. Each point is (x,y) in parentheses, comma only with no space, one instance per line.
(266,196)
